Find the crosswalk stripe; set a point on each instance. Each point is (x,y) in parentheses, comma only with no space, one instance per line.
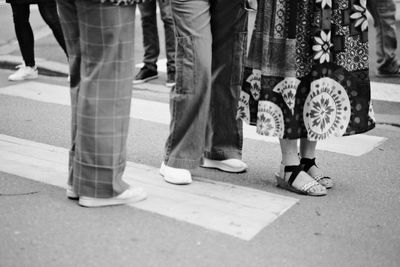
(385,92)
(355,145)
(233,210)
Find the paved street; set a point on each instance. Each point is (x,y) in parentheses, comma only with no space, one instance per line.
(220,220)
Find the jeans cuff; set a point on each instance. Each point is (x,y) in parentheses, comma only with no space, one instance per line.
(223,155)
(182,163)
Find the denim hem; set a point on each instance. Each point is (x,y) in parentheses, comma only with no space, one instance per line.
(183,163)
(223,155)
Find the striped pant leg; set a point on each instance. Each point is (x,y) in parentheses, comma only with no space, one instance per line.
(103,98)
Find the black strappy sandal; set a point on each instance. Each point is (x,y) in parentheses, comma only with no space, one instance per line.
(305,189)
(325,181)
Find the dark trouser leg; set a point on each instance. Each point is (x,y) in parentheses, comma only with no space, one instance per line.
(190,99)
(150,34)
(386,43)
(166,16)
(102,96)
(48,11)
(24,33)
(229,30)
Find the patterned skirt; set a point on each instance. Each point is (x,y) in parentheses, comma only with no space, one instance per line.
(306,75)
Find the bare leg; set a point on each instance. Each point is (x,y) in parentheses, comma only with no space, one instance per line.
(307,153)
(302,183)
(289,152)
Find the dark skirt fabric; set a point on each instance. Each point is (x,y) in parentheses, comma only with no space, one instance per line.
(307,70)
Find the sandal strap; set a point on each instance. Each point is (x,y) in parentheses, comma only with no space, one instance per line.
(307,163)
(295,170)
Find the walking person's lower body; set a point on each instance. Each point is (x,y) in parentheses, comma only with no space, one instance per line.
(211,46)
(384,15)
(24,34)
(100,40)
(151,42)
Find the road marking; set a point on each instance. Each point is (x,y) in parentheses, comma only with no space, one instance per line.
(234,210)
(355,145)
(385,92)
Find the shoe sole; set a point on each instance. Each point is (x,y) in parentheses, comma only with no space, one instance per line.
(72,195)
(224,168)
(100,202)
(169,85)
(23,79)
(170,181)
(145,80)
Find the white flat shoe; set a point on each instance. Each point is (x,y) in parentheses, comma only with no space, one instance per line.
(71,194)
(228,165)
(129,196)
(175,175)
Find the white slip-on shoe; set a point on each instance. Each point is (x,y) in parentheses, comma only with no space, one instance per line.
(129,196)
(228,165)
(175,175)
(24,73)
(71,194)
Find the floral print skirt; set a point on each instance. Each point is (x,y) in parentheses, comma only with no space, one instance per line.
(306,75)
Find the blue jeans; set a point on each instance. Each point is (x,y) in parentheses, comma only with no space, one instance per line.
(151,41)
(384,14)
(211,47)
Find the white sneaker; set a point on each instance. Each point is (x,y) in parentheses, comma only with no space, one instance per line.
(71,194)
(24,73)
(175,175)
(131,195)
(228,165)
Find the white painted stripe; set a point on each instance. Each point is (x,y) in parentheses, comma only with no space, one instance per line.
(234,210)
(158,112)
(161,65)
(385,92)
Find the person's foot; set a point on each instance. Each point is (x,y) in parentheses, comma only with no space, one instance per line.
(170,79)
(71,194)
(129,196)
(292,178)
(24,73)
(144,75)
(311,168)
(175,175)
(228,165)
(387,73)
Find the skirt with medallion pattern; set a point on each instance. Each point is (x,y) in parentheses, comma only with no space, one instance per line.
(306,75)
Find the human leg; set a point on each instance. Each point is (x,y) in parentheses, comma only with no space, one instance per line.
(166,16)
(70,25)
(150,42)
(386,42)
(24,34)
(48,11)
(102,100)
(229,30)
(190,98)
(307,158)
(291,175)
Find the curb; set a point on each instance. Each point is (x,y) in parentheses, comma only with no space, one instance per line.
(45,67)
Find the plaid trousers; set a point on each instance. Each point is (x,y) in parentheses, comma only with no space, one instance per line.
(100,42)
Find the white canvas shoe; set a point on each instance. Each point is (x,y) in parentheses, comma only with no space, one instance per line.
(129,196)
(175,175)
(228,165)
(24,73)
